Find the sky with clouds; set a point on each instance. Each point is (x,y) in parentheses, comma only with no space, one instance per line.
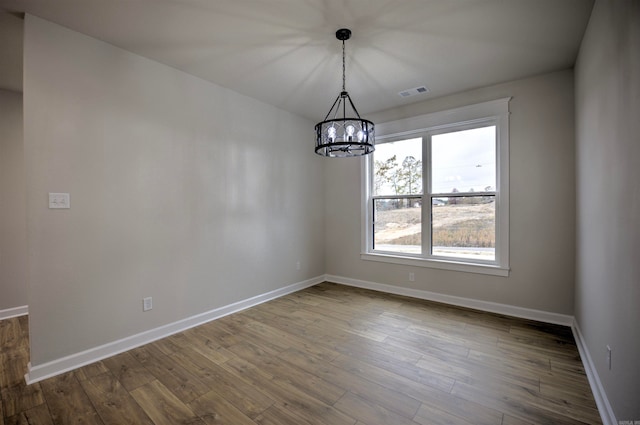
(463,160)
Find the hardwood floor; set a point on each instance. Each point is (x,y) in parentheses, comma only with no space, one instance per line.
(328,355)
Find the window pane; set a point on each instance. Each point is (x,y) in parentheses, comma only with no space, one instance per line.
(464,161)
(397,168)
(397,225)
(464,227)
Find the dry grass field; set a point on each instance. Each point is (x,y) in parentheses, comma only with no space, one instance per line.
(461,225)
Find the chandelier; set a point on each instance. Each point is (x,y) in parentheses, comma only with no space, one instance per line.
(344,135)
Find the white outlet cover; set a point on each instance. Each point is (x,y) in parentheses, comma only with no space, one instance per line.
(147,304)
(59,200)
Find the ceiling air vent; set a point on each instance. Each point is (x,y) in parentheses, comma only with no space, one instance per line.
(414,91)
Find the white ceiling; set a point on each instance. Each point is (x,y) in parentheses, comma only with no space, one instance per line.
(284,52)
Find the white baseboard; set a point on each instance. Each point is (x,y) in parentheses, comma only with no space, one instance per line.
(65,364)
(14,312)
(46,370)
(508,310)
(604,407)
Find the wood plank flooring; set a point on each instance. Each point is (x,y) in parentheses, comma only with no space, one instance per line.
(329,355)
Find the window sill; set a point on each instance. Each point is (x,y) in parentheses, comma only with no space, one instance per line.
(458,266)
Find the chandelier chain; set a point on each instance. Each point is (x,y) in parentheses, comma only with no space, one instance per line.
(343,69)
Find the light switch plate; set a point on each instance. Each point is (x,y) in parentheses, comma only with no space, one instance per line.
(59,200)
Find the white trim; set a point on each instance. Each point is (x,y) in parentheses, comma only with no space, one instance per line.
(508,310)
(458,266)
(366,204)
(502,179)
(14,312)
(494,112)
(604,407)
(76,360)
(92,355)
(471,113)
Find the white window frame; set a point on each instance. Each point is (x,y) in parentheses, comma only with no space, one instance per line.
(495,112)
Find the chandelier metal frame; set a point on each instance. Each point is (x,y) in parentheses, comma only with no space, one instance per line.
(343,136)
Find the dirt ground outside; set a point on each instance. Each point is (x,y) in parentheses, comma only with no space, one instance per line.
(455,228)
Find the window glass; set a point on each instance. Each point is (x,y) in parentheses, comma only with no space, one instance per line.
(464,227)
(397,168)
(464,161)
(398,225)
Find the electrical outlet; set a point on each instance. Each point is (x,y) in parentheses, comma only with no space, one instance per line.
(147,304)
(412,277)
(609,357)
(298,265)
(59,200)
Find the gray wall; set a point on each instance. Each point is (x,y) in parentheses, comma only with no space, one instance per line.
(11,40)
(608,199)
(13,231)
(180,190)
(542,203)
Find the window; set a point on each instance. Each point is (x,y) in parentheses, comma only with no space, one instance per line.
(436,191)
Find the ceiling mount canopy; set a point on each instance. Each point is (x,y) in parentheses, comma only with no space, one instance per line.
(345,134)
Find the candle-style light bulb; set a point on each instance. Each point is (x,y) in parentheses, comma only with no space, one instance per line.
(350,130)
(331,132)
